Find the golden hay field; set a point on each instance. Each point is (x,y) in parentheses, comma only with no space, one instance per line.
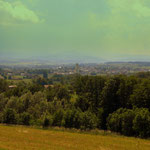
(26,138)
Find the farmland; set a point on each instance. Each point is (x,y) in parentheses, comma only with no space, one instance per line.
(27,138)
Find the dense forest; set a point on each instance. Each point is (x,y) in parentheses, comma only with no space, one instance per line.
(117,103)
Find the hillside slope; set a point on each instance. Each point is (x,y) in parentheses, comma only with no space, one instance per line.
(24,138)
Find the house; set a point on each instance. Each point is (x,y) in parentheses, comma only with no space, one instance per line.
(49,85)
(12,86)
(1,77)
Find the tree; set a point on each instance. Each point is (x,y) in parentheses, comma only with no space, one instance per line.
(141,123)
(47,121)
(82,102)
(45,74)
(141,95)
(122,121)
(3,85)
(88,121)
(126,88)
(114,120)
(9,116)
(127,118)
(58,117)
(25,118)
(69,118)
(109,98)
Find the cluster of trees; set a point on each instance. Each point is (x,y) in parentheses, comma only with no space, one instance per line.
(130,122)
(119,103)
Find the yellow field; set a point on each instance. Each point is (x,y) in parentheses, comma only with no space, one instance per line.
(24,138)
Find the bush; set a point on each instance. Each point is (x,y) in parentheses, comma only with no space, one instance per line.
(88,120)
(69,118)
(100,112)
(1,117)
(130,122)
(47,121)
(127,122)
(25,118)
(141,95)
(77,119)
(141,123)
(10,116)
(121,121)
(114,121)
(58,118)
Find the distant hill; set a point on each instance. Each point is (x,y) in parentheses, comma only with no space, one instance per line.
(53,59)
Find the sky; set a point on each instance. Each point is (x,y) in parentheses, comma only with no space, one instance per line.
(100,29)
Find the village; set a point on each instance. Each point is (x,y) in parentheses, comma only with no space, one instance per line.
(26,73)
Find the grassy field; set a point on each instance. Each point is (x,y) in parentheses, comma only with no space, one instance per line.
(17,81)
(25,138)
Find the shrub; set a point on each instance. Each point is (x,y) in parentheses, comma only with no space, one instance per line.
(114,121)
(88,120)
(130,122)
(69,118)
(141,123)
(127,122)
(9,116)
(47,121)
(58,117)
(25,118)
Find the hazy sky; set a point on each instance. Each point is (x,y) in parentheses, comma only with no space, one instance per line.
(108,29)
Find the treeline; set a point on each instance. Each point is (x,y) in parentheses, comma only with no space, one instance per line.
(119,103)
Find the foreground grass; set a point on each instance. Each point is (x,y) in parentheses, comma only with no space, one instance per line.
(25,138)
